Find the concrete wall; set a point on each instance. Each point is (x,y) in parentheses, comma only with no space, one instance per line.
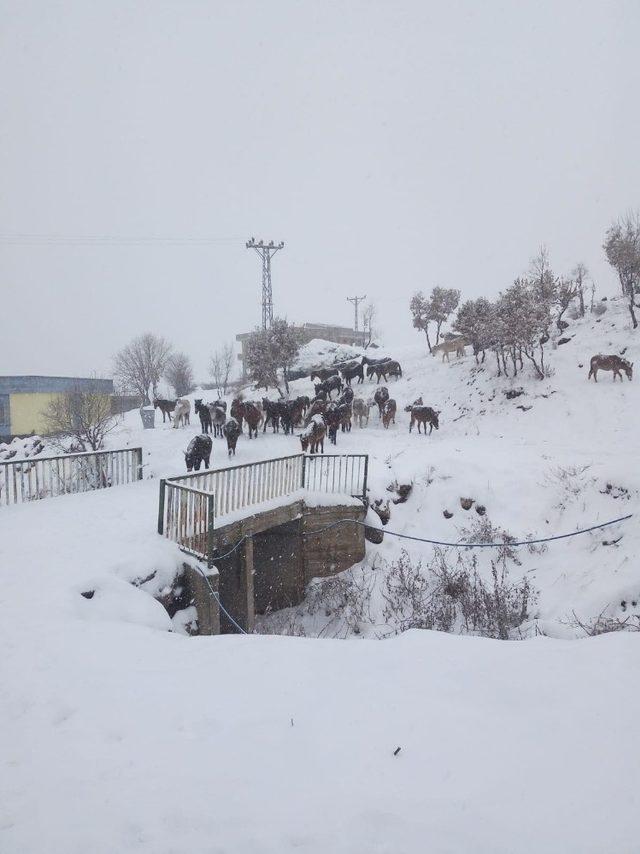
(336,549)
(206,605)
(271,570)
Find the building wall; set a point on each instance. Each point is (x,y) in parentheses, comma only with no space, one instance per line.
(23,400)
(27,412)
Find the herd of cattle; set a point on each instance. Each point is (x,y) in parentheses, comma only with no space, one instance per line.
(319,417)
(322,416)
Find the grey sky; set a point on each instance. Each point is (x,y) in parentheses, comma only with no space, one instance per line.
(392,146)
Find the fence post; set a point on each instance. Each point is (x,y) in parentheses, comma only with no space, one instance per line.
(163,486)
(364,484)
(210,511)
(139,457)
(304,470)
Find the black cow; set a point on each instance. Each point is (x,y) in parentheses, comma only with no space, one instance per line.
(165,406)
(204,414)
(352,371)
(231,432)
(332,384)
(198,451)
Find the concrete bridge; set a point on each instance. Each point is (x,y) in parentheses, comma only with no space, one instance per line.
(264,530)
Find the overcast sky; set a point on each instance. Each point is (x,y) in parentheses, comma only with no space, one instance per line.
(393,146)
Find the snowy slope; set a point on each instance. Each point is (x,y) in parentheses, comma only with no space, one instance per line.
(119,735)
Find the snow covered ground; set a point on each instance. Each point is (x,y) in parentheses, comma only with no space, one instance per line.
(119,735)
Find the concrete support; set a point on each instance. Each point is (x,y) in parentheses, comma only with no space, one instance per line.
(250,622)
(205,603)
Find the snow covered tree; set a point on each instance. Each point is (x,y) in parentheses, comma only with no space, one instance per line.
(433,309)
(475,321)
(419,307)
(442,303)
(140,365)
(272,350)
(221,366)
(368,321)
(622,248)
(567,290)
(541,276)
(526,319)
(580,274)
(179,373)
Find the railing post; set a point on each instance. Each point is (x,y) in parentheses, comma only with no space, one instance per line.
(139,456)
(210,511)
(163,486)
(304,470)
(364,483)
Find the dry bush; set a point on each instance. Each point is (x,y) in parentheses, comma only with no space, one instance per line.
(450,595)
(603,624)
(344,599)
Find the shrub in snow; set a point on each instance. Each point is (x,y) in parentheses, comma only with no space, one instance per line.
(603,624)
(450,595)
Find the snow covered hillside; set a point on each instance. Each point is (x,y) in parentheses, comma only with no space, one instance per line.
(535,458)
(121,734)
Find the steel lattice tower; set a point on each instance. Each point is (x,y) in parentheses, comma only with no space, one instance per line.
(266,251)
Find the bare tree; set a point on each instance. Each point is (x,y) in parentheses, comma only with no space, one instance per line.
(221,367)
(368,320)
(140,365)
(179,373)
(580,274)
(84,416)
(622,248)
(541,275)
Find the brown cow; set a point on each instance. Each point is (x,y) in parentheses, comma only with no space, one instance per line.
(610,363)
(380,398)
(389,413)
(312,437)
(237,410)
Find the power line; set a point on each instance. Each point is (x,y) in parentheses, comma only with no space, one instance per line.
(506,543)
(356,301)
(25,239)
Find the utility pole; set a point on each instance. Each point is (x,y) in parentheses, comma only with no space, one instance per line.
(356,301)
(266,251)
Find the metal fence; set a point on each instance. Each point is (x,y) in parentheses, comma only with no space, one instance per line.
(34,478)
(190,504)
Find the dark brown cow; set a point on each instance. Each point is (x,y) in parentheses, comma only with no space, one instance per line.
(332,384)
(610,363)
(165,406)
(312,437)
(389,413)
(424,415)
(323,374)
(237,410)
(231,432)
(380,398)
(350,372)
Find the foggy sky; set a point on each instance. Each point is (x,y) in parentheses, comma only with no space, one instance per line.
(393,146)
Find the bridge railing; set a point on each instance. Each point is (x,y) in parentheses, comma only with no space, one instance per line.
(33,478)
(190,504)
